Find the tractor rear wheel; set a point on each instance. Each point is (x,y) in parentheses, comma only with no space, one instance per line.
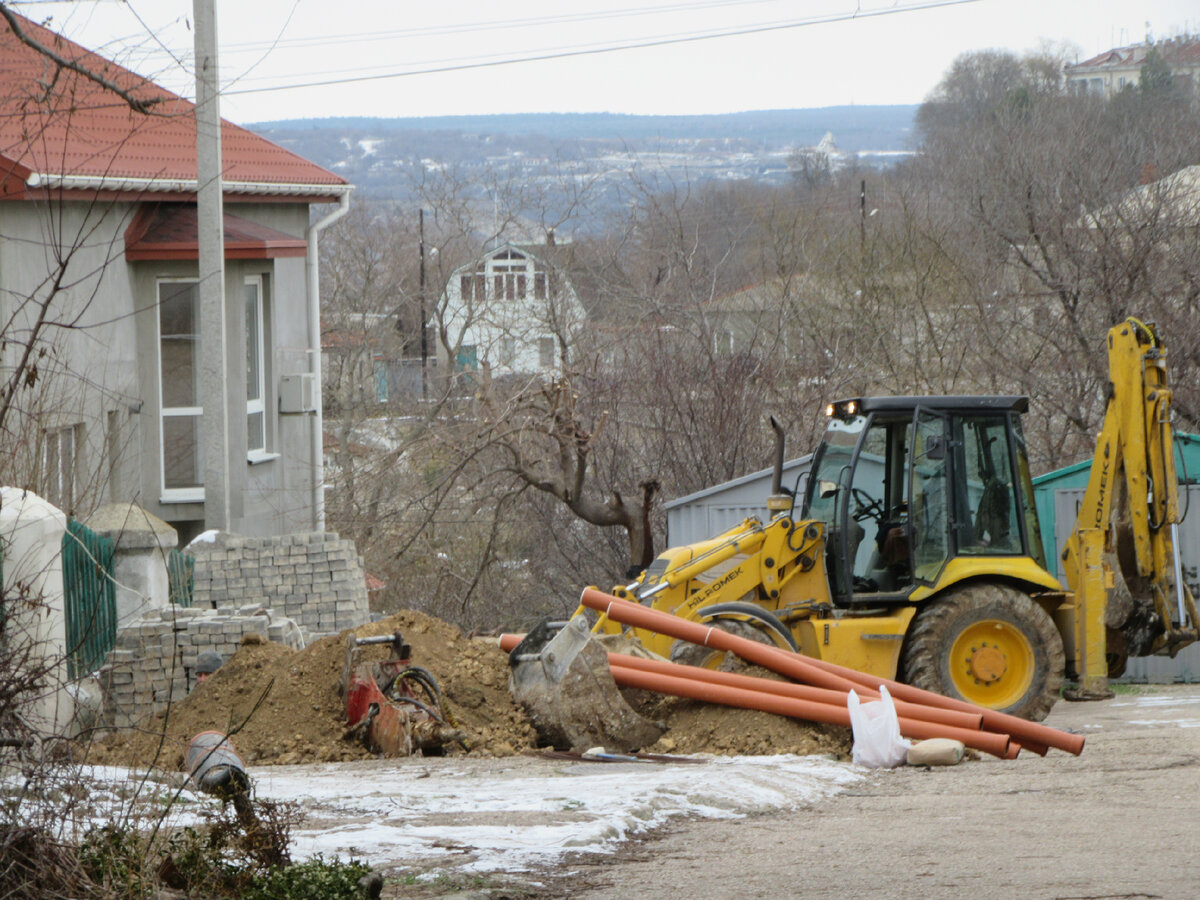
(987,644)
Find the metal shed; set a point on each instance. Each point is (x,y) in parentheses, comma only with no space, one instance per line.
(706,513)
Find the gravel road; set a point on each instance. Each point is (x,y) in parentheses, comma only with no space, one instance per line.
(1120,821)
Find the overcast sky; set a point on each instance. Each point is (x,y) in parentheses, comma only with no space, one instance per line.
(772,54)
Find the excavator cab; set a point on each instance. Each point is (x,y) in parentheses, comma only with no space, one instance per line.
(916,492)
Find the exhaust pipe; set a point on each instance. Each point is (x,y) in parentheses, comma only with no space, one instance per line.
(777,476)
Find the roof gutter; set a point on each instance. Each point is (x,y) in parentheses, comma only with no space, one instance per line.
(312,270)
(178,185)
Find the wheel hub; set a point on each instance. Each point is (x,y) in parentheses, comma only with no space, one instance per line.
(991,663)
(987,663)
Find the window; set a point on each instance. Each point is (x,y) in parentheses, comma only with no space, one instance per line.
(546,352)
(987,523)
(256,376)
(473,287)
(61,461)
(179,389)
(510,282)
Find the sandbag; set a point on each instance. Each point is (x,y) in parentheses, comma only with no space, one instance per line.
(936,752)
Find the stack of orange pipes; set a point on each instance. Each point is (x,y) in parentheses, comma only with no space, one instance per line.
(821,697)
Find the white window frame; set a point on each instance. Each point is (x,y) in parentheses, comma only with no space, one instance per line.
(173,495)
(62,461)
(257,406)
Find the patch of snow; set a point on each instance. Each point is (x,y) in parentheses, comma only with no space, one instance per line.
(1156,700)
(486,815)
(205,537)
(527,814)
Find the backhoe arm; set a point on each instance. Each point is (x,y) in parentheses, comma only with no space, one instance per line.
(1120,560)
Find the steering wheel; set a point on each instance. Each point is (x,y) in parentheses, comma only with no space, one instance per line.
(867,507)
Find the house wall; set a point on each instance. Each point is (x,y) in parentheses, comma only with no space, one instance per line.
(88,381)
(269,496)
(100,378)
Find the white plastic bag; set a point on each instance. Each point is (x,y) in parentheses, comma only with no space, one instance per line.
(877,741)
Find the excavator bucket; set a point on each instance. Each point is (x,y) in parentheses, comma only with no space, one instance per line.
(561,677)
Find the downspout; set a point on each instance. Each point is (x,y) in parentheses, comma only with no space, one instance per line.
(312,271)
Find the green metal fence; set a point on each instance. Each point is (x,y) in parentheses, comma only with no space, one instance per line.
(181,568)
(90,593)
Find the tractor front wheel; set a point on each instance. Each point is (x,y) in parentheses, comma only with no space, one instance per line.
(987,644)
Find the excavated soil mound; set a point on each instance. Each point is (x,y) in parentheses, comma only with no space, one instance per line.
(288,707)
(695,727)
(703,728)
(284,708)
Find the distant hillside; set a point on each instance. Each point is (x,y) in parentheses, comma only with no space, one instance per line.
(854,128)
(387,158)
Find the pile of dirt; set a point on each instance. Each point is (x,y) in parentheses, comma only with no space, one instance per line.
(696,727)
(282,707)
(287,705)
(703,728)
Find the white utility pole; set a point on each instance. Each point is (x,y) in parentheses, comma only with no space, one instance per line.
(211,219)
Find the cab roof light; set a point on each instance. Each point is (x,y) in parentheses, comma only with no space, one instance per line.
(842,409)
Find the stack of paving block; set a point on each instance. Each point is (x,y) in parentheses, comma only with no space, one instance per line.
(153,661)
(315,579)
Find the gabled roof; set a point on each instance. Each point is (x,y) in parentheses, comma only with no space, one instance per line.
(61,130)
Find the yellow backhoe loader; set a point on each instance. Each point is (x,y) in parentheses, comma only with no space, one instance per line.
(916,552)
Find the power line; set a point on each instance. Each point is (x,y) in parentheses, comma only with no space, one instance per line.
(566,53)
(495,25)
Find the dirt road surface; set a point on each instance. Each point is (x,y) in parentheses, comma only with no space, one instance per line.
(1120,821)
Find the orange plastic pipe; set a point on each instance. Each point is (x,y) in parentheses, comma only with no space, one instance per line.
(916,721)
(823,674)
(793,665)
(1034,736)
(953,718)
(987,741)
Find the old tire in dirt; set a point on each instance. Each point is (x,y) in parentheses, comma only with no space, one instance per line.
(988,644)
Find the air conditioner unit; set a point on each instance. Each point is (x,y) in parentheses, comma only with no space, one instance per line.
(297,393)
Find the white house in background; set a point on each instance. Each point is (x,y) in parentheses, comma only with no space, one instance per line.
(512,311)
(1120,68)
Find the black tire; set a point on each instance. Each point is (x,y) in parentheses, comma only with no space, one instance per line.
(1009,655)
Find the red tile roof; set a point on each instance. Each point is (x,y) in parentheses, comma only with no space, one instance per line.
(61,129)
(170,231)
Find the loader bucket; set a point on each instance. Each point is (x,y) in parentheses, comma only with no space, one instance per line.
(565,685)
